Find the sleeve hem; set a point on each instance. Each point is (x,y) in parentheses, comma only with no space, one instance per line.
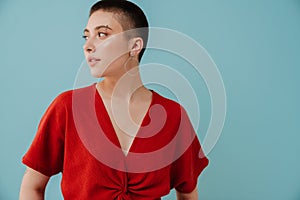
(193,183)
(40,169)
(187,191)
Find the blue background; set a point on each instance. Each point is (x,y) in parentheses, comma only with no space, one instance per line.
(255,45)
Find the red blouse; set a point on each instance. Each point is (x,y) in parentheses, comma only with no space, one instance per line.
(76,137)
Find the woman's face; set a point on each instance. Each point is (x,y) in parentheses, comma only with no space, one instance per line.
(106,48)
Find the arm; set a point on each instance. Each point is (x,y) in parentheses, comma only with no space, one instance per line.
(33,185)
(188,196)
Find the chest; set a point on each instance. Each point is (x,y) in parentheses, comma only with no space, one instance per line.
(126,120)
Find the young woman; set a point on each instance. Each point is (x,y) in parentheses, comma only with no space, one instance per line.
(157,148)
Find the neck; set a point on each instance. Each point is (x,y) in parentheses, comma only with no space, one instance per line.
(123,87)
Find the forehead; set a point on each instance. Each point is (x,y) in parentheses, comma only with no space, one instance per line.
(103,18)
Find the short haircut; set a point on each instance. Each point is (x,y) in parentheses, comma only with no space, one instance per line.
(129,15)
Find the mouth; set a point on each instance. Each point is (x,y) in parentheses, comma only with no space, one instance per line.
(92,61)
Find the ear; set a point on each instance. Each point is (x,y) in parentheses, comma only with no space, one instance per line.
(135,46)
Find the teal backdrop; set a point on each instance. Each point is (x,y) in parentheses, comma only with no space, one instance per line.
(255,44)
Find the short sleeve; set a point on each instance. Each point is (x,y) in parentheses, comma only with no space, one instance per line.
(46,153)
(187,168)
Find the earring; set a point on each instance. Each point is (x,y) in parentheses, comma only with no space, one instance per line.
(134,70)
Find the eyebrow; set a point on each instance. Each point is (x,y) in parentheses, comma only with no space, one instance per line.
(97,28)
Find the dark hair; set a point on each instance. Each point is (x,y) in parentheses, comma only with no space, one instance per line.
(129,15)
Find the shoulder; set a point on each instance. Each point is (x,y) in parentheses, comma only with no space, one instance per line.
(65,98)
(165,101)
(172,107)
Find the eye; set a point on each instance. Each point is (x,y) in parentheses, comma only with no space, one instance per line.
(102,34)
(85,37)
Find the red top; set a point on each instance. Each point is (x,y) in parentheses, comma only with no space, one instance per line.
(76,137)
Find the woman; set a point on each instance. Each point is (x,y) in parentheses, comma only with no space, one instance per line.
(116,35)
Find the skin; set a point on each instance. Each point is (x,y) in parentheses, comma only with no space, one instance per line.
(126,89)
(33,185)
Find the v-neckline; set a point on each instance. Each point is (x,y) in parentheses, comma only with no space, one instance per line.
(111,128)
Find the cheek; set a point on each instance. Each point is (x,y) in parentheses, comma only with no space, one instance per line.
(112,49)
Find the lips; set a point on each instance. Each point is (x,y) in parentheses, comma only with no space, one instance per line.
(93,61)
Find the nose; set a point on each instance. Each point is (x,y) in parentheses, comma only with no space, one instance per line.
(89,46)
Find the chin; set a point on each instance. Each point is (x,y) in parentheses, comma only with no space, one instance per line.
(96,73)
